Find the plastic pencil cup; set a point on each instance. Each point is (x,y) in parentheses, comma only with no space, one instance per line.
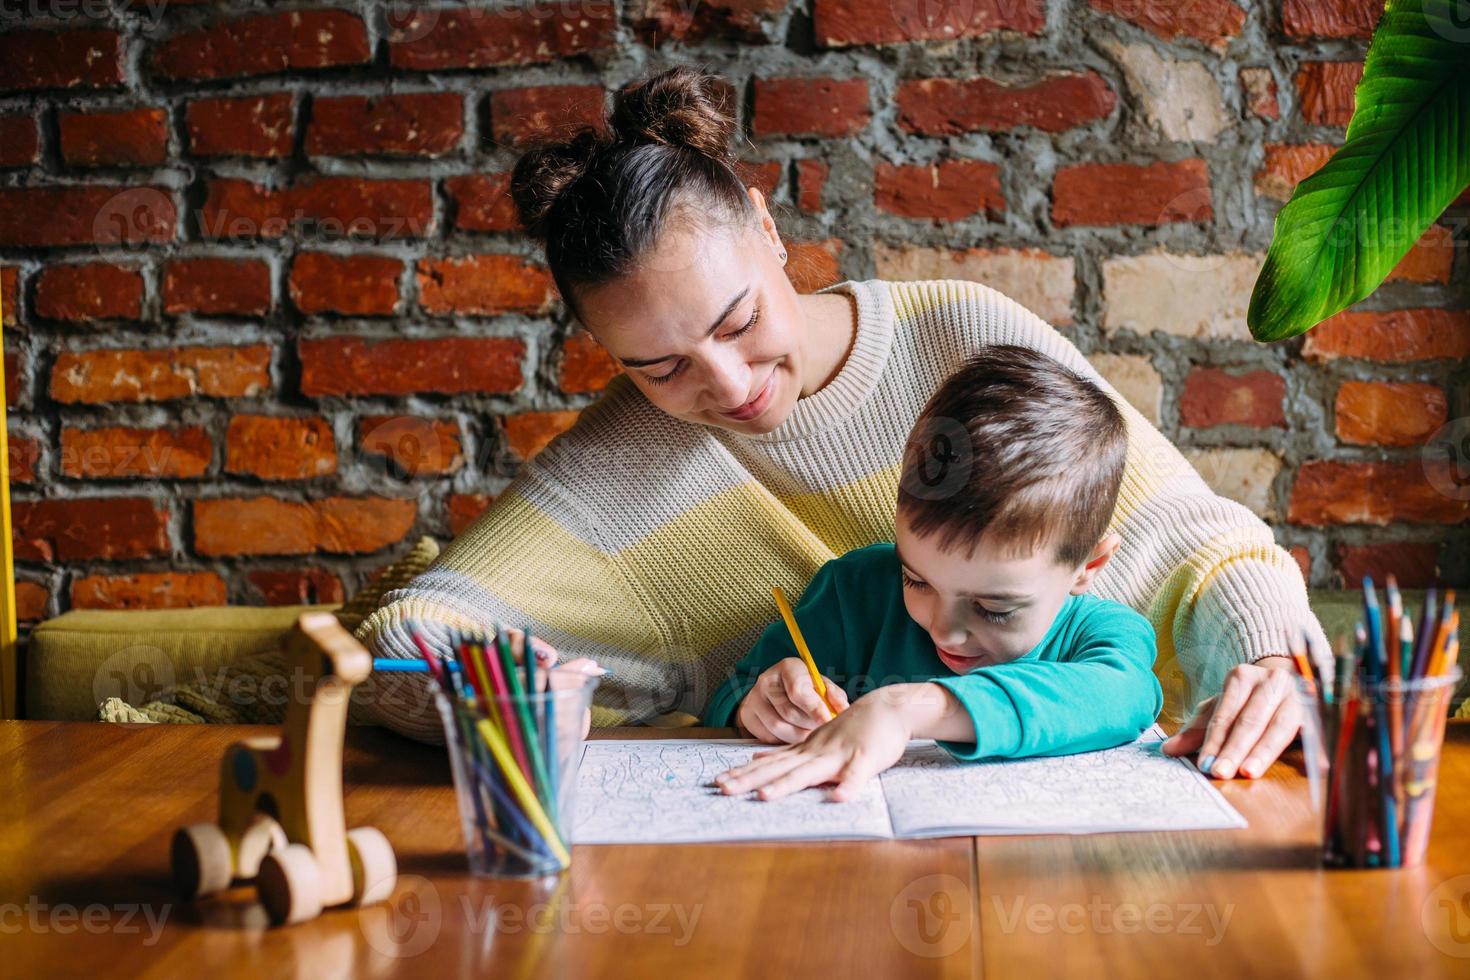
(514,768)
(1372,760)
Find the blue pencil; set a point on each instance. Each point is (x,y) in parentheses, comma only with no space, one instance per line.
(405,665)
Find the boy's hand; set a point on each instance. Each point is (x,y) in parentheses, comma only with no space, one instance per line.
(851,749)
(784,705)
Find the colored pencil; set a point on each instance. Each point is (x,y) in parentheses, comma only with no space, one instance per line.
(801,648)
(536,774)
(530,806)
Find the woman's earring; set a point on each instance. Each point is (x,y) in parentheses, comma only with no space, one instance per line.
(783,256)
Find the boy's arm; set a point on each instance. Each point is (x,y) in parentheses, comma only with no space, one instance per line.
(1103,694)
(819,614)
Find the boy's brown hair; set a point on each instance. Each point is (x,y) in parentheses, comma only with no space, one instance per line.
(1016,445)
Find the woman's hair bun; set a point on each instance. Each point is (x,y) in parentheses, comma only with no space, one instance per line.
(681,106)
(543,172)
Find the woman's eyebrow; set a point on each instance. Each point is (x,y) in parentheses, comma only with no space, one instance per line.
(729,308)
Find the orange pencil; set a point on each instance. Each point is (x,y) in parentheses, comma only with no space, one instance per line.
(806,655)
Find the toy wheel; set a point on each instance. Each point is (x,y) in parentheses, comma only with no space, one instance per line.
(200,855)
(290,885)
(374,868)
(262,837)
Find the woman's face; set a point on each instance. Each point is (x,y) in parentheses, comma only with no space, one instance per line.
(709,327)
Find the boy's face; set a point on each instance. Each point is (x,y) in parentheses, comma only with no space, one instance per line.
(989,607)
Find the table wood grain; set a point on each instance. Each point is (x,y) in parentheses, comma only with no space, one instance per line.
(88,810)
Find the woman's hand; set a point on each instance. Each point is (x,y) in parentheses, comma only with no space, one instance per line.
(572,674)
(850,749)
(784,705)
(1247,725)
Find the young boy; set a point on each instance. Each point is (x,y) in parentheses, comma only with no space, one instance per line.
(974,627)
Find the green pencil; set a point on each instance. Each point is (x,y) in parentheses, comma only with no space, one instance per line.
(523,713)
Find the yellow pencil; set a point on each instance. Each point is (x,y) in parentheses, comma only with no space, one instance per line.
(800,641)
(522,790)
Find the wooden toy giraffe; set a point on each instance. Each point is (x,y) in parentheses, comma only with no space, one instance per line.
(280,806)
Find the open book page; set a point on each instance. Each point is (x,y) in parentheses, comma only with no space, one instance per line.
(1131,787)
(662,792)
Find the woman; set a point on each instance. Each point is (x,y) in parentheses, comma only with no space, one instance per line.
(756,433)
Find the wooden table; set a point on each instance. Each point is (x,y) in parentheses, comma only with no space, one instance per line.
(88,809)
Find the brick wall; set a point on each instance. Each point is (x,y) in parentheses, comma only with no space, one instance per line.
(267,314)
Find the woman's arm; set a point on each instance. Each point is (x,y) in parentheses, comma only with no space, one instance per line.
(518,565)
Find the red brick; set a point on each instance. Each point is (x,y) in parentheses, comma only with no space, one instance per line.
(275,447)
(1375,413)
(20,146)
(265,45)
(80,529)
(25,456)
(14,383)
(1259,88)
(123,452)
(352,285)
(811,177)
(216,287)
(1397,335)
(307,587)
(336,206)
(99,376)
(585,366)
(1414,565)
(30,601)
(1430,260)
(436,38)
(482,202)
(1124,194)
(9,295)
(1212,22)
(95,214)
(149,590)
(1213,397)
(484,285)
(951,106)
(137,137)
(1306,19)
(1303,561)
(764,177)
(1287,165)
(267,526)
(416,446)
(813,265)
(1372,493)
(1325,91)
(946,190)
(810,107)
(523,115)
(659,21)
(447,365)
(840,23)
(418,124)
(94,291)
(253,126)
(463,508)
(529,432)
(31,60)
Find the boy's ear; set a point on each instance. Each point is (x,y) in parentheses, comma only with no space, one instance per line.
(1100,556)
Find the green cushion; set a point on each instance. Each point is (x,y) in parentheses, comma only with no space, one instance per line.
(80,658)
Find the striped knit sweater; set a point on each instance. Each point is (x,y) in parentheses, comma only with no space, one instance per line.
(652,544)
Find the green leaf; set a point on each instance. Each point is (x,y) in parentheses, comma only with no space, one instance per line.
(1405,158)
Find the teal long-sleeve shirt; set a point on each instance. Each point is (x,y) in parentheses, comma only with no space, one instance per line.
(1088,684)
